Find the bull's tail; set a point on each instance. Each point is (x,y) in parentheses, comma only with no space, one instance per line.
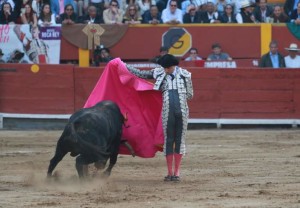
(59,154)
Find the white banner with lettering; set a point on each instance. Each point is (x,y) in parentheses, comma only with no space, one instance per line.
(26,44)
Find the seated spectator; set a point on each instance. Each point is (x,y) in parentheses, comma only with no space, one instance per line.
(7,16)
(81,7)
(152,16)
(217,54)
(101,55)
(37,6)
(278,16)
(246,15)
(220,5)
(289,6)
(295,16)
(210,15)
(58,6)
(171,14)
(292,60)
(1,56)
(192,16)
(262,11)
(162,51)
(144,5)
(185,4)
(100,6)
(11,2)
(20,6)
(92,17)
(193,56)
(46,17)
(228,16)
(69,17)
(272,59)
(113,15)
(132,16)
(29,16)
(126,3)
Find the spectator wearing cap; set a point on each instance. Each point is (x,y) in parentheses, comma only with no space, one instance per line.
(191,16)
(152,16)
(175,83)
(1,56)
(217,54)
(162,51)
(273,58)
(246,15)
(292,60)
(171,14)
(295,16)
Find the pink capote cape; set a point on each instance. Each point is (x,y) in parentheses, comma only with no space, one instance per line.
(139,101)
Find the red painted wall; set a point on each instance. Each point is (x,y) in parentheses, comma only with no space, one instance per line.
(219,93)
(142,42)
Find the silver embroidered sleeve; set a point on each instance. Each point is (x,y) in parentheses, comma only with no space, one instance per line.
(189,86)
(145,74)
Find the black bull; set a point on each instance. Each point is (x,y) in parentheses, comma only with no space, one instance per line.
(94,136)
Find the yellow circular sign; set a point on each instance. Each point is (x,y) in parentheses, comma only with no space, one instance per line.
(35,68)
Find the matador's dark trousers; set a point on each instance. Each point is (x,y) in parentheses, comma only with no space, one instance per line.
(174,124)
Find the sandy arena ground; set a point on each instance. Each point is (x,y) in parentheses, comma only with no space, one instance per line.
(224,168)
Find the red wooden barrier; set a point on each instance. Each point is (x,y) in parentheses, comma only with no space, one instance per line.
(219,93)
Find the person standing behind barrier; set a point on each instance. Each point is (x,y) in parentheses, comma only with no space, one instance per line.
(272,59)
(113,15)
(217,54)
(162,51)
(175,84)
(171,14)
(292,60)
(193,56)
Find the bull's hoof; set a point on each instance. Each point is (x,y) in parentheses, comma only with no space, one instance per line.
(106,174)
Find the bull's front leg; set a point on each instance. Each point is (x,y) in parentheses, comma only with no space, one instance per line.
(81,166)
(112,162)
(55,160)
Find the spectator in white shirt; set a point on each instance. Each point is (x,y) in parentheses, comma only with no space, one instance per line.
(172,15)
(292,60)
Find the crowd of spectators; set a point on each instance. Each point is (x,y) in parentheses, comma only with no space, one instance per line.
(46,12)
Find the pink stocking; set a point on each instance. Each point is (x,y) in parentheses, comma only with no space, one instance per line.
(178,158)
(169,159)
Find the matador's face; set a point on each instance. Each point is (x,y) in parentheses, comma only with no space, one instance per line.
(170,69)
